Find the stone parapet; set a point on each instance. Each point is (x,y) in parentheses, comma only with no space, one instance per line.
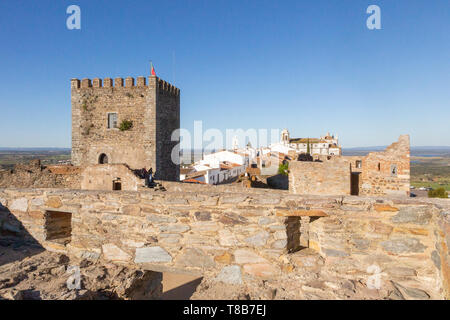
(205,233)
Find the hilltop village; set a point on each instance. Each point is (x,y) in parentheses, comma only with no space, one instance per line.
(293,220)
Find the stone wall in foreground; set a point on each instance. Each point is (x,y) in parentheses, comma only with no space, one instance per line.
(236,236)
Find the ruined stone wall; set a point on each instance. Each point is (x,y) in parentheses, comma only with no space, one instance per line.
(329,177)
(380,173)
(103,176)
(35,175)
(377,170)
(240,236)
(149,107)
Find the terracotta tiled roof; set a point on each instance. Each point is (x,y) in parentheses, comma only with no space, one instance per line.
(196,174)
(194,181)
(228,165)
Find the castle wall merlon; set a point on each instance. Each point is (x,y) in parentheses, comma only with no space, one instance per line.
(108,83)
(128,82)
(86,83)
(75,83)
(141,82)
(97,83)
(118,82)
(164,86)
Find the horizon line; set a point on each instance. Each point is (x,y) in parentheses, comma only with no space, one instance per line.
(351,147)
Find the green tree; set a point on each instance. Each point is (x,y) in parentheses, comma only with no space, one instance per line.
(126,125)
(283,168)
(437,193)
(308,149)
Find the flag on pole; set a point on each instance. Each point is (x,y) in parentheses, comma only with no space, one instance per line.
(152,72)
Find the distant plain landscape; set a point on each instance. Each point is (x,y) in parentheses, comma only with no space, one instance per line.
(430,166)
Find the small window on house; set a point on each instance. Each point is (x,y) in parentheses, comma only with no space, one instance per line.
(379,166)
(393,170)
(358,164)
(112,120)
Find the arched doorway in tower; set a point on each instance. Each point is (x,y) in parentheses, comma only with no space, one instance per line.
(103,159)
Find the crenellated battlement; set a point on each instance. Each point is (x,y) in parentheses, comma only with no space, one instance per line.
(167,87)
(128,82)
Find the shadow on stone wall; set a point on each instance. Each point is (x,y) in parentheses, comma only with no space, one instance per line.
(279,181)
(15,241)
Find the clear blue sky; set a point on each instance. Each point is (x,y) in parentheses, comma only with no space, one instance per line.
(310,66)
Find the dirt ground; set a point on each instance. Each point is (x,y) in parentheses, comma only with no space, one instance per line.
(29,272)
(179,286)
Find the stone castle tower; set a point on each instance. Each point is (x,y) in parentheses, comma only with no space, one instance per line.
(126,122)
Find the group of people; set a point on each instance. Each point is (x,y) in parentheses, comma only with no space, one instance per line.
(147,175)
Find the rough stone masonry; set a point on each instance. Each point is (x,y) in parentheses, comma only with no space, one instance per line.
(149,113)
(378,173)
(236,237)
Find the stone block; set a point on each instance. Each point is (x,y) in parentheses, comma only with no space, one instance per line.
(334,253)
(202,216)
(227,238)
(404,245)
(230,275)
(155,218)
(205,226)
(244,256)
(37,201)
(229,218)
(192,257)
(263,270)
(174,228)
(152,254)
(401,272)
(53,202)
(301,213)
(133,243)
(233,199)
(265,220)
(412,231)
(380,227)
(113,253)
(384,208)
(280,235)
(259,239)
(169,238)
(225,258)
(279,244)
(20,204)
(413,215)
(132,210)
